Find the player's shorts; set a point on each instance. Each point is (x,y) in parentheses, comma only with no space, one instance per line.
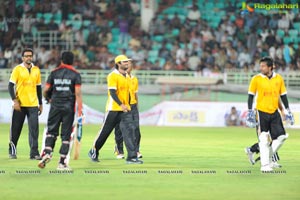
(271,122)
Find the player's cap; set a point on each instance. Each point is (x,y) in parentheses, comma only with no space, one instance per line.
(121,58)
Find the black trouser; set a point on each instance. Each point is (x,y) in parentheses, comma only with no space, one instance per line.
(33,127)
(57,117)
(137,133)
(126,125)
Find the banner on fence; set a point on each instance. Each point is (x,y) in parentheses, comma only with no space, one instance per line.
(167,113)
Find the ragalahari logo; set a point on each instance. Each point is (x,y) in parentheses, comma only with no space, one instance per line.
(246,8)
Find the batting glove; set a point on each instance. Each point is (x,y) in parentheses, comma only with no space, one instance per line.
(289,117)
(79,120)
(251,119)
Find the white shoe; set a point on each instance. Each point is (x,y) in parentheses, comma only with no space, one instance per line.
(275,165)
(139,155)
(266,168)
(250,155)
(63,167)
(120,156)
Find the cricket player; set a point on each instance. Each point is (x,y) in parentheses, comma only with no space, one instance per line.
(63,91)
(25,90)
(268,87)
(133,89)
(118,111)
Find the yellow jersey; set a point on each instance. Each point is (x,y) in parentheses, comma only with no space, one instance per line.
(267,91)
(133,89)
(121,83)
(25,83)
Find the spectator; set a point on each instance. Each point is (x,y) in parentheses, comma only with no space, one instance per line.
(283,23)
(25,25)
(168,65)
(175,22)
(105,36)
(164,52)
(193,62)
(232,55)
(90,53)
(102,5)
(134,42)
(251,43)
(137,55)
(270,38)
(44,56)
(79,38)
(232,118)
(183,35)
(3,61)
(3,28)
(243,58)
(135,7)
(124,28)
(52,26)
(194,13)
(26,6)
(221,58)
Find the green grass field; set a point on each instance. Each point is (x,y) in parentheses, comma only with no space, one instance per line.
(179,163)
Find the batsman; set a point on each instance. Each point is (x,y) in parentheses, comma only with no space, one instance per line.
(63,91)
(268,87)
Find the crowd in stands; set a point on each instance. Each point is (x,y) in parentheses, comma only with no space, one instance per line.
(186,40)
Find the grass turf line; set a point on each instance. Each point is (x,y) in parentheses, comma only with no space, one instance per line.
(180,163)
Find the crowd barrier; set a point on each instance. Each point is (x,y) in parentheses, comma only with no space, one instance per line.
(166,113)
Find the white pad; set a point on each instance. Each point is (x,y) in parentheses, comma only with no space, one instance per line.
(276,144)
(264,146)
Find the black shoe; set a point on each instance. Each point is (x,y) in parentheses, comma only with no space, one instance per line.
(93,155)
(36,157)
(12,156)
(134,161)
(46,159)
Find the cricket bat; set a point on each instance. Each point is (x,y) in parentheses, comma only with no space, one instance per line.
(77,138)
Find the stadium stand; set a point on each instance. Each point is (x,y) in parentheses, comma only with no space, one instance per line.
(221,27)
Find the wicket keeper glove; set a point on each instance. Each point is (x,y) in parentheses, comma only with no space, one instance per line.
(289,117)
(251,119)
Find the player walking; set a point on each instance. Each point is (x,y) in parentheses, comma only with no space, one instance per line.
(118,111)
(268,87)
(133,89)
(63,90)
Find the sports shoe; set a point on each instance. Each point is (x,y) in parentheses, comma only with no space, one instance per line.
(134,161)
(12,156)
(36,157)
(93,155)
(275,165)
(12,151)
(266,168)
(63,167)
(46,159)
(120,156)
(139,155)
(250,155)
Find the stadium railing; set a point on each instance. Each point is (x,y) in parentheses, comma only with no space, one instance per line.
(149,77)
